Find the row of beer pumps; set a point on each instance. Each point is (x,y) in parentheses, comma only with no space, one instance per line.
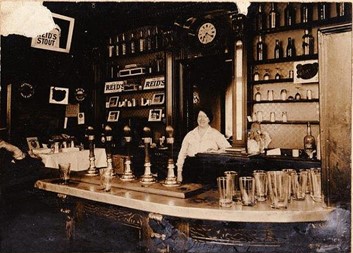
(128,175)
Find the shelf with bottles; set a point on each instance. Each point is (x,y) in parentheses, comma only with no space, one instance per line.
(289,122)
(284,17)
(287,101)
(287,59)
(147,39)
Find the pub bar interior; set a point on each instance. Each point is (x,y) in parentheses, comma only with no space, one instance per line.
(176,126)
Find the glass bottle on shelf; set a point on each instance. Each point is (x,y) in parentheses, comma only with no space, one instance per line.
(289,15)
(155,39)
(308,43)
(141,42)
(323,11)
(148,40)
(284,117)
(278,75)
(273,17)
(267,74)
(132,44)
(306,12)
(284,94)
(343,9)
(150,67)
(270,95)
(257,94)
(117,46)
(256,75)
(290,51)
(260,18)
(110,48)
(309,142)
(297,95)
(123,45)
(278,53)
(261,50)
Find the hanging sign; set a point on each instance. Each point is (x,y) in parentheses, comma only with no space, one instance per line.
(115,86)
(154,83)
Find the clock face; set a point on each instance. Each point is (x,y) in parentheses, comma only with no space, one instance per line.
(207,33)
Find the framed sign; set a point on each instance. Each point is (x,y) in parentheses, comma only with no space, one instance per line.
(155,115)
(306,71)
(158,99)
(154,83)
(112,87)
(59,95)
(113,116)
(58,39)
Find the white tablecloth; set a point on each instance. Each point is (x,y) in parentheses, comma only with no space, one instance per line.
(79,159)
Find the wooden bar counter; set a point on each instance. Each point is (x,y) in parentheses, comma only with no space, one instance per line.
(196,215)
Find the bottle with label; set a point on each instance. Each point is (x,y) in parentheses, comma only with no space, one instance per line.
(323,11)
(289,13)
(306,12)
(308,43)
(132,44)
(273,17)
(291,52)
(260,18)
(123,45)
(261,50)
(148,40)
(343,9)
(278,53)
(141,42)
(309,142)
(117,46)
(110,48)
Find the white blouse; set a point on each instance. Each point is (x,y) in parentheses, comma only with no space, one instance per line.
(193,143)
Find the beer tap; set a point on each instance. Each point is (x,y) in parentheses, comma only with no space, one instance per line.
(108,147)
(128,174)
(92,170)
(147,177)
(171,179)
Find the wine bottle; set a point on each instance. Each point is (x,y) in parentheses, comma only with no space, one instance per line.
(260,18)
(141,42)
(306,12)
(273,17)
(117,46)
(343,9)
(308,43)
(261,50)
(278,53)
(309,142)
(132,44)
(290,48)
(148,40)
(110,48)
(323,10)
(156,39)
(123,45)
(289,13)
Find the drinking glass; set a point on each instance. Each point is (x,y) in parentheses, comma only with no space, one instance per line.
(225,186)
(278,188)
(233,176)
(247,190)
(106,176)
(64,170)
(260,185)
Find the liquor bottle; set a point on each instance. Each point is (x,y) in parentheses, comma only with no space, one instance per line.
(123,45)
(141,42)
(273,17)
(323,11)
(261,50)
(309,142)
(343,9)
(306,12)
(132,44)
(148,40)
(290,48)
(156,39)
(110,48)
(117,46)
(278,53)
(308,43)
(260,18)
(289,13)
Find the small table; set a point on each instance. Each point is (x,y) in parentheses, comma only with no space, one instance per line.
(79,159)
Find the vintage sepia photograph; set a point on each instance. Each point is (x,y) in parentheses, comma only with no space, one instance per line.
(176,126)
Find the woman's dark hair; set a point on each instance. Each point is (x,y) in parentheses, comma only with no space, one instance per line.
(207,111)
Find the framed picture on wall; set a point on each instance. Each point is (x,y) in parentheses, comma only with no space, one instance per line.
(306,71)
(155,115)
(113,116)
(158,99)
(58,39)
(113,101)
(32,143)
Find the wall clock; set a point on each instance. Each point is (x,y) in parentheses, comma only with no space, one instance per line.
(206,33)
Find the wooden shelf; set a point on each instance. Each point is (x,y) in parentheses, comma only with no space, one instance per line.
(282,80)
(136,91)
(315,100)
(290,59)
(138,107)
(290,122)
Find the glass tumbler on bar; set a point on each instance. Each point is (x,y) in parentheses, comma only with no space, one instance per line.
(315,179)
(300,183)
(247,190)
(225,190)
(233,176)
(278,188)
(64,170)
(260,185)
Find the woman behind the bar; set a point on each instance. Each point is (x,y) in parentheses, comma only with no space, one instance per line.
(202,138)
